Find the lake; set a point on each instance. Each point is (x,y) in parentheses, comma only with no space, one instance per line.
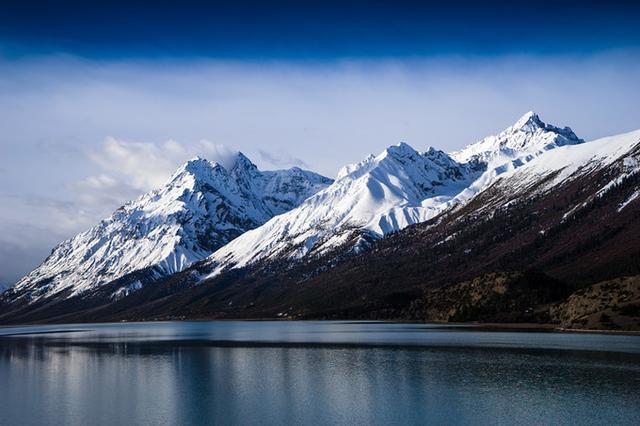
(320,373)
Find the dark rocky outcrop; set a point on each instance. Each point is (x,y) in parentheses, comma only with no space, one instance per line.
(612,304)
(494,297)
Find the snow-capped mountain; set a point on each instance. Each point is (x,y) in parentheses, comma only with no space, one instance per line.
(534,196)
(388,192)
(525,140)
(619,154)
(571,213)
(376,196)
(202,207)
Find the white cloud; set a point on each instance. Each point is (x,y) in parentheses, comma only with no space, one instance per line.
(281,160)
(129,169)
(98,182)
(147,165)
(33,224)
(102,193)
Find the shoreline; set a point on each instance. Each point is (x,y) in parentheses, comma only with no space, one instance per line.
(476,326)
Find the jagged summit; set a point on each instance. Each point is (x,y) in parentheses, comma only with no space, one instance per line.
(243,161)
(519,143)
(369,199)
(531,123)
(386,193)
(201,167)
(400,149)
(195,169)
(271,221)
(398,154)
(528,121)
(196,165)
(201,207)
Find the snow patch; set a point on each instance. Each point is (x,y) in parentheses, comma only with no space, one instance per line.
(626,202)
(126,290)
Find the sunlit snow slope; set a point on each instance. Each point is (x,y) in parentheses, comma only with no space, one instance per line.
(388,192)
(202,207)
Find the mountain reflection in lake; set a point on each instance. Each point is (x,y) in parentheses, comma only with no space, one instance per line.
(313,373)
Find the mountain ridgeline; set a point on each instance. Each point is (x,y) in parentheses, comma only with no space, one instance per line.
(516,227)
(202,207)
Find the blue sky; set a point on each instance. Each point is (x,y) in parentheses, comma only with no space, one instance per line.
(314,29)
(100,101)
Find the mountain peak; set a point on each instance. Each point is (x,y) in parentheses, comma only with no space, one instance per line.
(519,143)
(195,169)
(369,199)
(528,121)
(199,165)
(197,162)
(243,162)
(201,208)
(531,123)
(401,149)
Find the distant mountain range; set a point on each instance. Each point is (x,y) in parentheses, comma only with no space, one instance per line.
(202,207)
(388,192)
(532,201)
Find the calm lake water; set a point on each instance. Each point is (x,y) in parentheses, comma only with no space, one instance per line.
(289,373)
